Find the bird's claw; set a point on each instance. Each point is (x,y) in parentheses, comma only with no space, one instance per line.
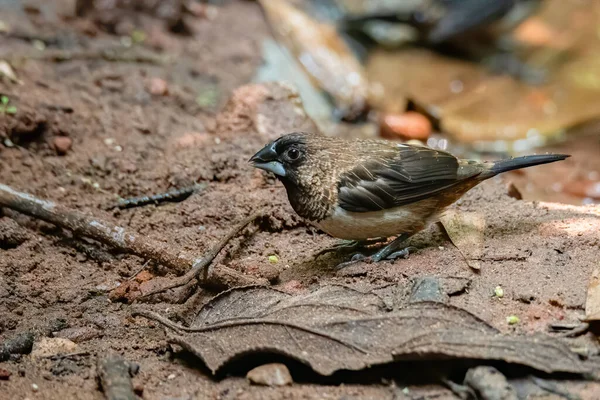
(377,257)
(348,245)
(355,258)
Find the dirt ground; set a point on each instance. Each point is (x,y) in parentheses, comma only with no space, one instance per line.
(94,123)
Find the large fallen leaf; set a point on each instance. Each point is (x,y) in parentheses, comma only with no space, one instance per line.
(337,328)
(466,231)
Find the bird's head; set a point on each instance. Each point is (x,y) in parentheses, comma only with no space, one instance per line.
(284,156)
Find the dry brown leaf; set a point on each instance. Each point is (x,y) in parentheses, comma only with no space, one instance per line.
(466,231)
(592,302)
(337,328)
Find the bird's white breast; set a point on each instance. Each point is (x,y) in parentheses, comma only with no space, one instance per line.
(373,224)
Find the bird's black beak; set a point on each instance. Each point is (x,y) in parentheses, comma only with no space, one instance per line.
(268,159)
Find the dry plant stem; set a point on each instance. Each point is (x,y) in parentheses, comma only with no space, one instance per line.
(241,322)
(115,378)
(118,237)
(201,264)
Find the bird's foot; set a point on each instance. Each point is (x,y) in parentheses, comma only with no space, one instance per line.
(348,245)
(377,257)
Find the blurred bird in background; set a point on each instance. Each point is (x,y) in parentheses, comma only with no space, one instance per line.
(477,30)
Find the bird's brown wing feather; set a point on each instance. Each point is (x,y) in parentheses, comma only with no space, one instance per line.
(395,178)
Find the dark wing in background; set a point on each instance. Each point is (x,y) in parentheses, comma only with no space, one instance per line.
(463,15)
(408,175)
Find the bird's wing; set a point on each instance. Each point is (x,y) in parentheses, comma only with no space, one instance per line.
(395,178)
(464,15)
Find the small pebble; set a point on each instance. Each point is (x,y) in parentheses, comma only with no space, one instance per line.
(35,387)
(47,347)
(62,144)
(275,374)
(158,87)
(407,126)
(4,374)
(171,377)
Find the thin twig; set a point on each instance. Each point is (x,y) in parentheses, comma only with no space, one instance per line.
(200,265)
(125,240)
(68,355)
(570,330)
(243,322)
(171,196)
(140,269)
(112,54)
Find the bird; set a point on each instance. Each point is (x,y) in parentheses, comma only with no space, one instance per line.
(369,190)
(475,30)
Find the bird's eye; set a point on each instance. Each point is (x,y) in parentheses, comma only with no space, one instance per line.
(293,154)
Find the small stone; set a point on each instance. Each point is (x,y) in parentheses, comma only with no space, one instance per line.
(35,387)
(62,144)
(407,126)
(48,347)
(138,389)
(275,374)
(171,377)
(4,374)
(144,276)
(158,87)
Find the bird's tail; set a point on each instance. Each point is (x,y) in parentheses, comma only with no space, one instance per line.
(497,167)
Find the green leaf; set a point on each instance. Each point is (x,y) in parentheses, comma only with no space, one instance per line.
(4,100)
(11,110)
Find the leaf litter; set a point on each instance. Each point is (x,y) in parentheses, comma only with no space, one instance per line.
(592,303)
(337,328)
(466,232)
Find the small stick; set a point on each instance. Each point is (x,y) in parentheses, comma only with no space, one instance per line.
(68,355)
(570,330)
(140,269)
(172,195)
(113,54)
(122,239)
(115,378)
(201,264)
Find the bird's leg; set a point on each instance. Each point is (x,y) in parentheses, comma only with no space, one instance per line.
(390,252)
(348,245)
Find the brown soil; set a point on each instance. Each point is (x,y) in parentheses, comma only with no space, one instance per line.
(123,140)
